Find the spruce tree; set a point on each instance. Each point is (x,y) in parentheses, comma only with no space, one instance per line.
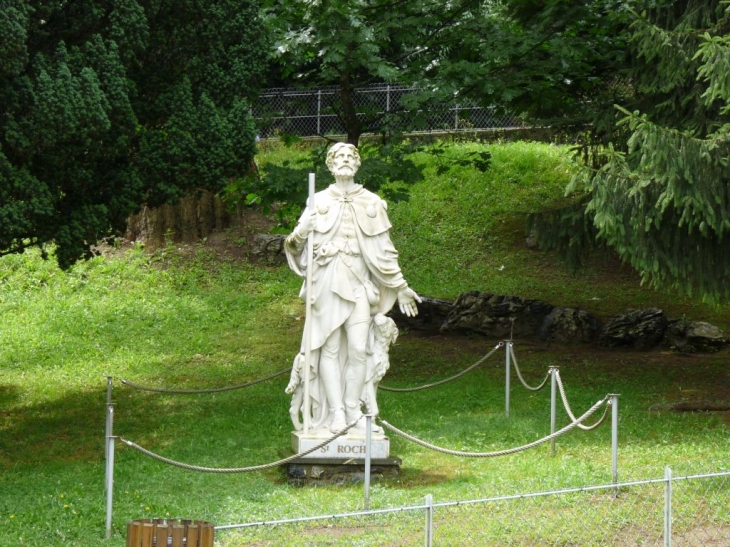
(659,193)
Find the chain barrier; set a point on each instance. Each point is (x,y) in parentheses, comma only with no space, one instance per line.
(209,390)
(235,469)
(441,382)
(570,412)
(519,374)
(498,453)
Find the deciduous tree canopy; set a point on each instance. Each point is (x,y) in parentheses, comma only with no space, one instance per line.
(106,104)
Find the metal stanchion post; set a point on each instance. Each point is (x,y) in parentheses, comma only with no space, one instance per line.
(109,472)
(668,507)
(553,410)
(429,520)
(614,438)
(508,348)
(108,428)
(368,454)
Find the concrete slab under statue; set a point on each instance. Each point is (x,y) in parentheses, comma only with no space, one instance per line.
(341,246)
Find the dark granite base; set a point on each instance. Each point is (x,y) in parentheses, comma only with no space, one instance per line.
(325,471)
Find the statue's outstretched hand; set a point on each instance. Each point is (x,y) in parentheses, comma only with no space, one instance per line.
(407,299)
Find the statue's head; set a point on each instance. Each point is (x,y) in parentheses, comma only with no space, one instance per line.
(343,160)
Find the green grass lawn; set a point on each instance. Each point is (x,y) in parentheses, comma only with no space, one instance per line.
(194,318)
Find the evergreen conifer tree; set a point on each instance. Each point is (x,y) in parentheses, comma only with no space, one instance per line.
(107,104)
(659,192)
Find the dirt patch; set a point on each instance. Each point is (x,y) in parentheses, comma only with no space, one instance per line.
(233,243)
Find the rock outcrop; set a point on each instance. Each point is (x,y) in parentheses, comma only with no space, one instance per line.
(694,337)
(496,315)
(637,329)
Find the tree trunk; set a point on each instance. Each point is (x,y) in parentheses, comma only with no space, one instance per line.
(352,122)
(189,220)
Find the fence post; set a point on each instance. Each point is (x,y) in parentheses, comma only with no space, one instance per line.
(368,438)
(553,410)
(668,507)
(109,470)
(508,348)
(429,520)
(614,438)
(319,110)
(108,428)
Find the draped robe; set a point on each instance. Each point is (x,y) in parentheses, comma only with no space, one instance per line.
(333,282)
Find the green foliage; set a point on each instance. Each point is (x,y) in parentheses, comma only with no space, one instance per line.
(389,169)
(555,63)
(351,44)
(567,230)
(661,199)
(107,105)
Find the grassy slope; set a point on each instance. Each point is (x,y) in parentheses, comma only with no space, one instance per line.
(196,319)
(466,230)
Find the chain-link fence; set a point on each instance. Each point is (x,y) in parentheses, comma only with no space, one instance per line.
(309,113)
(689,511)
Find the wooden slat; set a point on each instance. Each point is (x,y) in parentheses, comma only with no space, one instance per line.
(134,530)
(162,532)
(178,532)
(207,533)
(147,534)
(193,535)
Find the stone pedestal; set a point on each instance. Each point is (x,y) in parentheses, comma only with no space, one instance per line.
(342,460)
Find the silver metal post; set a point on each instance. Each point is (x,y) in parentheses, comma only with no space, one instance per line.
(553,399)
(109,386)
(507,366)
(108,428)
(429,520)
(319,110)
(387,99)
(368,455)
(614,437)
(109,477)
(668,507)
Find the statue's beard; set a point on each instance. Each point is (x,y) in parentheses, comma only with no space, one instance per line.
(344,171)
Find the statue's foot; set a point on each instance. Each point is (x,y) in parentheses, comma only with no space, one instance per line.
(338,422)
(354,414)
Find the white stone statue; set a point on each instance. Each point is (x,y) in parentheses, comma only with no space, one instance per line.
(356,279)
